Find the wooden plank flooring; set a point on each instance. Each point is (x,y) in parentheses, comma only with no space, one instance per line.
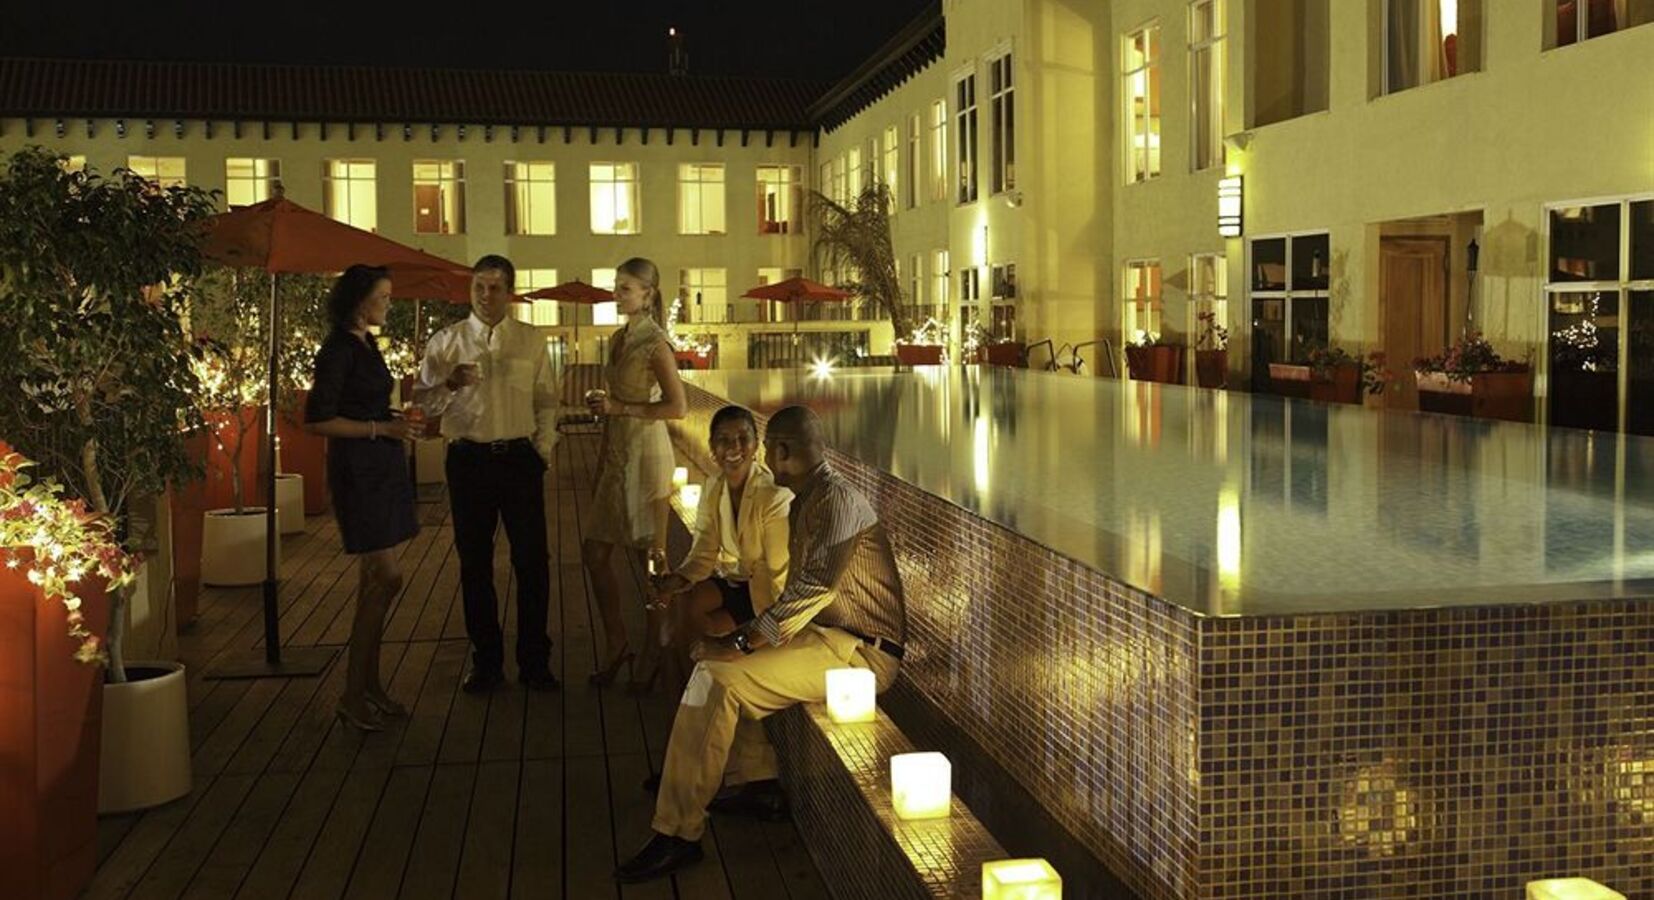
(515,794)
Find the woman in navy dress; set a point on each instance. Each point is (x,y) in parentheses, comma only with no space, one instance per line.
(367,472)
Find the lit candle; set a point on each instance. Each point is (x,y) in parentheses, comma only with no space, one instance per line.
(680,477)
(921,785)
(1571,889)
(1020,879)
(850,695)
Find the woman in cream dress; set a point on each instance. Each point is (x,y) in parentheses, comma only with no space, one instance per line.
(634,481)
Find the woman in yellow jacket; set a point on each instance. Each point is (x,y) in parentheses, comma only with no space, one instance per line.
(737,564)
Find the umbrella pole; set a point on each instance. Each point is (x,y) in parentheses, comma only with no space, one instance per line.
(301,661)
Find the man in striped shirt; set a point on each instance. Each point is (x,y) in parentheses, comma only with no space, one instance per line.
(842,607)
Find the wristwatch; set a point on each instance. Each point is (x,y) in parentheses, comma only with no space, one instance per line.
(741,642)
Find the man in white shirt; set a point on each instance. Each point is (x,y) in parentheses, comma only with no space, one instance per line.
(490,380)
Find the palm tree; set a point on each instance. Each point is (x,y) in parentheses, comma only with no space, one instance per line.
(855,240)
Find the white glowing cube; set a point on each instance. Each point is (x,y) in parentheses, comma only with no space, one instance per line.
(850,694)
(1571,889)
(921,785)
(1020,879)
(690,494)
(680,477)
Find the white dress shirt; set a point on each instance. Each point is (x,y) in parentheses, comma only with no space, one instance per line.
(518,396)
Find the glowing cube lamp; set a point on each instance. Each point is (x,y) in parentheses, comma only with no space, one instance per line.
(1020,879)
(680,477)
(1571,889)
(921,785)
(850,695)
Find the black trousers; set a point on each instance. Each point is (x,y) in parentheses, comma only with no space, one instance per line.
(487,483)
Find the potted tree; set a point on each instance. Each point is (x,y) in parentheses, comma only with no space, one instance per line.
(856,239)
(94,275)
(305,322)
(1211,351)
(229,324)
(1150,358)
(926,346)
(1470,378)
(1332,375)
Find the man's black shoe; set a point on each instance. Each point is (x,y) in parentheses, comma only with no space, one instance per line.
(659,858)
(539,679)
(758,800)
(481,681)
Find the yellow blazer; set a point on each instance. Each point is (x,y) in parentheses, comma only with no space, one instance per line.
(760,536)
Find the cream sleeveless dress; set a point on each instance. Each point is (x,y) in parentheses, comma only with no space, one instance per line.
(636,466)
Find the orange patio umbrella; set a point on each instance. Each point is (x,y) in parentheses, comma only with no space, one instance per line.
(797,290)
(575,291)
(280,236)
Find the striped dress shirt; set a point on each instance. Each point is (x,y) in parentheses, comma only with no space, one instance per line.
(842,573)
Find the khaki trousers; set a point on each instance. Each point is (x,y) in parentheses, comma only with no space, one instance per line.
(718,731)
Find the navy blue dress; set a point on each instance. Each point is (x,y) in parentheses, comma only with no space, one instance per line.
(373,494)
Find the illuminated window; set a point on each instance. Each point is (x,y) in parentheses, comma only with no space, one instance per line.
(1572,21)
(779,199)
(707,294)
(439,196)
(939,150)
(1002,174)
(605,313)
(892,161)
(940,279)
(1142,96)
(914,157)
(349,192)
(853,184)
(536,312)
(615,198)
(162,171)
(530,198)
(700,198)
(1208,290)
(73,163)
(965,134)
(1429,40)
(1206,44)
(249,181)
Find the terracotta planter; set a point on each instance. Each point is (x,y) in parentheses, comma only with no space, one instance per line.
(689,359)
(145,760)
(303,453)
(50,707)
(919,354)
(1299,381)
(189,502)
(1490,395)
(1212,368)
(1162,363)
(232,546)
(1007,354)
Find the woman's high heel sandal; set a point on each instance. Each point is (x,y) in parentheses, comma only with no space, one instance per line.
(385,706)
(606,675)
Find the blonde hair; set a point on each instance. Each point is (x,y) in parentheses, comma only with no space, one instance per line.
(647,272)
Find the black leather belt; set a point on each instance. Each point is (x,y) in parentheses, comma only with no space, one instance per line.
(885,644)
(505,446)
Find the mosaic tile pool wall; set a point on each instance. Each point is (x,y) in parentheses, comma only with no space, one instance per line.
(1421,753)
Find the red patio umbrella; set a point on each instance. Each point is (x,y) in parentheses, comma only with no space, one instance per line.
(575,291)
(797,290)
(280,236)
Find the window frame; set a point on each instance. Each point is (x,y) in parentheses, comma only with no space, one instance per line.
(514,216)
(454,180)
(1154,52)
(699,188)
(350,183)
(968,186)
(1002,122)
(635,200)
(1217,44)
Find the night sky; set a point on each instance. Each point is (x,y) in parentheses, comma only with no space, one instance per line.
(814,39)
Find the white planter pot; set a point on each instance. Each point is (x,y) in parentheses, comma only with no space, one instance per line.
(232,546)
(146,739)
(290,503)
(430,461)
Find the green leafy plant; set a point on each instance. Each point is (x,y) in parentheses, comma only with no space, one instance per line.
(57,543)
(856,239)
(229,318)
(1375,376)
(95,274)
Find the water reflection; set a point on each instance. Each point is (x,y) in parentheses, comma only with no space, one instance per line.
(1246,504)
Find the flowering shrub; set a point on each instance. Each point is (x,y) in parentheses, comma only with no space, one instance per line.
(57,542)
(1141,338)
(1212,336)
(1374,375)
(1469,355)
(930,334)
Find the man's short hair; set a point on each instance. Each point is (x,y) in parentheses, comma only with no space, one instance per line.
(798,425)
(499,263)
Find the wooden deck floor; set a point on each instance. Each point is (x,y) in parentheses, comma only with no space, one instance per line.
(515,794)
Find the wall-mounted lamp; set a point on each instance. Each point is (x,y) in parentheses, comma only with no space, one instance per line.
(1472,252)
(1229,206)
(1013,199)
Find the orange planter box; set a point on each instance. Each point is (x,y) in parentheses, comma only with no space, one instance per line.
(50,712)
